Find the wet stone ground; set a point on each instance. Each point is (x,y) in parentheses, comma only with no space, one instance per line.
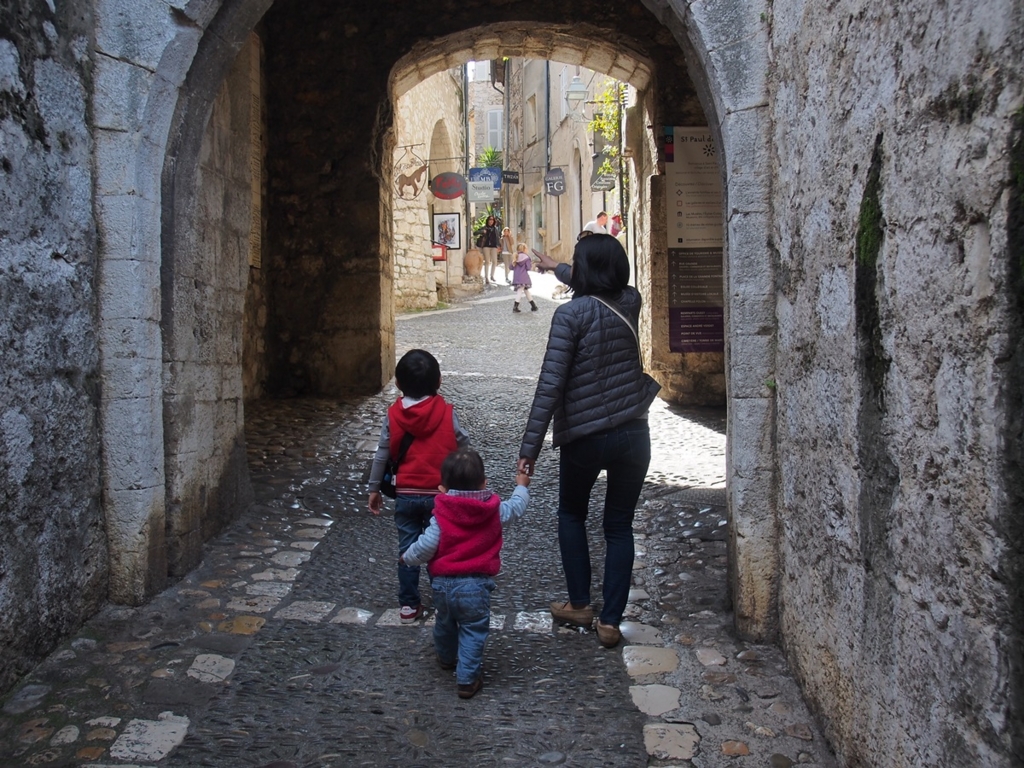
(284,648)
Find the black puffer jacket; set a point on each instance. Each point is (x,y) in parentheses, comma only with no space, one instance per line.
(592,378)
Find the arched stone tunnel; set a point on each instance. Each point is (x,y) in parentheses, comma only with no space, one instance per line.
(329,78)
(870,164)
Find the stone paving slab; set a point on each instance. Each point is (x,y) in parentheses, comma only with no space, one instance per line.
(283,648)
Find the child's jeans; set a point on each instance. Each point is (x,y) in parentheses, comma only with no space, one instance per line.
(412,516)
(462,622)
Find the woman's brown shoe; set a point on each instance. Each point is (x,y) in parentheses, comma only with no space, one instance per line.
(608,635)
(581,617)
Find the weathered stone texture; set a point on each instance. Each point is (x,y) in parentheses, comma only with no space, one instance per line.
(429,126)
(53,562)
(206,474)
(894,501)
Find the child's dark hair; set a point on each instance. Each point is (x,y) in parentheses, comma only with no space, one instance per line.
(418,374)
(463,470)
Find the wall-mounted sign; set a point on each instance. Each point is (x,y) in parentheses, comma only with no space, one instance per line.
(554,182)
(510,177)
(448,186)
(493,175)
(480,192)
(693,197)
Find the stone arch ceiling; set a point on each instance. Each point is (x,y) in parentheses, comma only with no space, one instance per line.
(563,43)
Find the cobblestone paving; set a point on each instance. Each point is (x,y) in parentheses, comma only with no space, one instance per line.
(284,649)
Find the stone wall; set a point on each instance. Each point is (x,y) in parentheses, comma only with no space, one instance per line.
(53,550)
(898,324)
(434,107)
(255,363)
(204,426)
(872,161)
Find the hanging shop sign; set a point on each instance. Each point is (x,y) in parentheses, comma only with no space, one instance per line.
(602,182)
(480,192)
(410,173)
(510,177)
(448,186)
(554,182)
(493,175)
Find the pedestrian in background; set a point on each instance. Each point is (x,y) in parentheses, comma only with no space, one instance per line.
(487,239)
(462,549)
(521,280)
(592,384)
(507,248)
(616,226)
(597,226)
(430,429)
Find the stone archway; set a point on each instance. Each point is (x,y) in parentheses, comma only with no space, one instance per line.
(175,77)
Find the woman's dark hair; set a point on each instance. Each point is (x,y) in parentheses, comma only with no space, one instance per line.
(418,374)
(599,266)
(463,470)
(490,221)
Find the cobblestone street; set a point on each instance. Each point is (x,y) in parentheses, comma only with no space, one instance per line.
(284,648)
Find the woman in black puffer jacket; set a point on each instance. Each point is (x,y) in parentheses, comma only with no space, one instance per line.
(593,386)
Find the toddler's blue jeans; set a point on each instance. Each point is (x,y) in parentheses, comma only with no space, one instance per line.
(462,622)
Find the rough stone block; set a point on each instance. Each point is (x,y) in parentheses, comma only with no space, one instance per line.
(750,261)
(115,162)
(134,30)
(118,101)
(133,442)
(750,314)
(752,365)
(751,440)
(129,289)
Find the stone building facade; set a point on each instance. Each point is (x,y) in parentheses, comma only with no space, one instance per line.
(429,131)
(543,136)
(871,163)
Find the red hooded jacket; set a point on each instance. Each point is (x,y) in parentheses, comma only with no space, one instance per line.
(430,423)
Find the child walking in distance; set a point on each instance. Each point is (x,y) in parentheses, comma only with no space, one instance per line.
(521,280)
(423,424)
(462,545)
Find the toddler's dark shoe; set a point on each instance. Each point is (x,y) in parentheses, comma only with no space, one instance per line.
(445,664)
(470,690)
(409,613)
(580,617)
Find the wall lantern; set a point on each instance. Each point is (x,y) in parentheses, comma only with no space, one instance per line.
(576,97)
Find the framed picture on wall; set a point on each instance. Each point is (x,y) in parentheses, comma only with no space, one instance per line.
(447,230)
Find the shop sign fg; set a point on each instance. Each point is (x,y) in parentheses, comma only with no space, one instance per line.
(448,186)
(554,182)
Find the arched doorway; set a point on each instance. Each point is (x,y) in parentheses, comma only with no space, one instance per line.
(329,323)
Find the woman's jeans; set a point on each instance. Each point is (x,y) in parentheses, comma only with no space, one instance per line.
(624,453)
(490,262)
(412,516)
(462,622)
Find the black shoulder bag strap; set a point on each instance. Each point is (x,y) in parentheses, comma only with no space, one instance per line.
(403,446)
(629,324)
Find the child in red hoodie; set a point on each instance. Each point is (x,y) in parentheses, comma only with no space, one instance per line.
(462,545)
(433,432)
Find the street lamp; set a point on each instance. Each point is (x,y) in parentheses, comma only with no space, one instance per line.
(576,97)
